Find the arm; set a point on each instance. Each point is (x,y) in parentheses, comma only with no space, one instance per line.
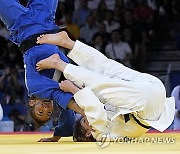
(44,88)
(50,139)
(64,128)
(93,108)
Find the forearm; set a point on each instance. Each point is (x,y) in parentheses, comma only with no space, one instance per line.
(74,89)
(56,138)
(50,139)
(75,107)
(93,108)
(68,86)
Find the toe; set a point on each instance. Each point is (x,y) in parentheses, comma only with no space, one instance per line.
(41,35)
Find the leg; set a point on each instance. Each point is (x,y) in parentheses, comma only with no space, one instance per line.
(132,95)
(88,57)
(60,39)
(10,11)
(79,75)
(91,59)
(47,5)
(44,88)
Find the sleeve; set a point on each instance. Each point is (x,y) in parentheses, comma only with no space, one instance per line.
(45,88)
(94,109)
(65,124)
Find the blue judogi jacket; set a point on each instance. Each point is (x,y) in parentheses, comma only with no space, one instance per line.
(65,123)
(23,22)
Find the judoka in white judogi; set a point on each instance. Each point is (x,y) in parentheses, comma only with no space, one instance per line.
(113,90)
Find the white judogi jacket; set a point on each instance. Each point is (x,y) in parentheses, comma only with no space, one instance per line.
(127,91)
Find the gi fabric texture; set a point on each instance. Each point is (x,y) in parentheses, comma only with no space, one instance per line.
(23,22)
(130,91)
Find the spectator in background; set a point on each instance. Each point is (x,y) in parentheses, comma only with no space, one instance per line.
(19,120)
(63,7)
(21,123)
(3,50)
(138,31)
(14,57)
(142,11)
(94,12)
(10,87)
(120,4)
(87,31)
(152,4)
(69,4)
(60,13)
(110,23)
(176,7)
(72,28)
(118,50)
(130,4)
(133,43)
(176,94)
(145,13)
(165,7)
(99,43)
(102,31)
(102,8)
(118,14)
(81,14)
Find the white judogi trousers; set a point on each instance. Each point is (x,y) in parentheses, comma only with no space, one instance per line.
(113,83)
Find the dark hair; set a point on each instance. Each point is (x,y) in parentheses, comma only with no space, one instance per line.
(79,133)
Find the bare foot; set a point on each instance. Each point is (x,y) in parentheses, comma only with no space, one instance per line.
(48,63)
(62,39)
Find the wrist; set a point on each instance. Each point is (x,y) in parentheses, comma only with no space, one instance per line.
(56,138)
(74,89)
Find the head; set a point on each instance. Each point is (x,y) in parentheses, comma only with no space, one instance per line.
(119,3)
(102,28)
(91,20)
(83,3)
(40,110)
(109,15)
(128,16)
(82,131)
(102,6)
(116,36)
(99,40)
(127,32)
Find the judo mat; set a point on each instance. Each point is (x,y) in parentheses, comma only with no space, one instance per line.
(152,142)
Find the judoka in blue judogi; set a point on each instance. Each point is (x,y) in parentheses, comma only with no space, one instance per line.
(23,23)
